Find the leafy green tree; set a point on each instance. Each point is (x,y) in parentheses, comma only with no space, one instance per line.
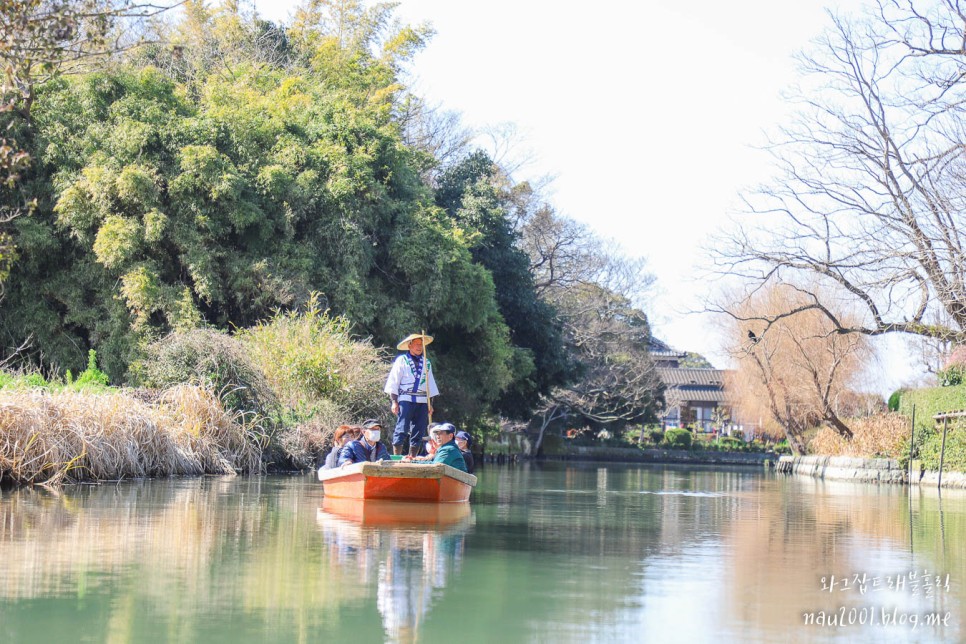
(472,194)
(169,200)
(40,40)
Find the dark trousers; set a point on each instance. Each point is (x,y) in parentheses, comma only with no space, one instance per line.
(411,423)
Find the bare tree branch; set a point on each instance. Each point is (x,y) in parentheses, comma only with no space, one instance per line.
(870,196)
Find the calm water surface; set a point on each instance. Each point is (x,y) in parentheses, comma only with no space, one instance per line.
(544,553)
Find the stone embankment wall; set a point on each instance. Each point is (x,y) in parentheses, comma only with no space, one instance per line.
(655,455)
(873,470)
(930,478)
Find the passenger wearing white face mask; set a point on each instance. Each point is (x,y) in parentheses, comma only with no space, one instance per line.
(367,447)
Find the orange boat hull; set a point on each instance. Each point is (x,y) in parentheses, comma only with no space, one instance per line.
(398,482)
(381,513)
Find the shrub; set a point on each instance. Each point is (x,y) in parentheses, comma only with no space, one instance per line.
(730,444)
(92,376)
(930,401)
(954,370)
(310,357)
(33,380)
(952,376)
(304,440)
(678,438)
(656,435)
(211,359)
(894,400)
(883,435)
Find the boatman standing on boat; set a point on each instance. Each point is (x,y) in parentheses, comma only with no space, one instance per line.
(409,382)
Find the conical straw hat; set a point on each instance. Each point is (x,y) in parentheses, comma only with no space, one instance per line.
(404,345)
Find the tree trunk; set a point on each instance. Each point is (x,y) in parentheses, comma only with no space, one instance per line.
(795,442)
(836,423)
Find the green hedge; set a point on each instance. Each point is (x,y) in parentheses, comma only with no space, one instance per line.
(929,402)
(931,448)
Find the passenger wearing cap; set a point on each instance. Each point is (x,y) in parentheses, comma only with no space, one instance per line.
(464,441)
(365,448)
(447,453)
(410,380)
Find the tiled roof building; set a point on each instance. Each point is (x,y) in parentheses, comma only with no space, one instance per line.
(692,394)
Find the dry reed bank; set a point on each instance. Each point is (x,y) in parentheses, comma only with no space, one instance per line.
(71,436)
(205,402)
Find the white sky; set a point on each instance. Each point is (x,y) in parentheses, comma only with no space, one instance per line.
(646,113)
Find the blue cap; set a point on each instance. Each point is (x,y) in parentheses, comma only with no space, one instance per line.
(464,436)
(444,427)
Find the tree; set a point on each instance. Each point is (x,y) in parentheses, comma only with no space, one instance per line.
(438,132)
(796,368)
(42,39)
(596,291)
(616,381)
(473,193)
(566,255)
(871,193)
(39,40)
(170,199)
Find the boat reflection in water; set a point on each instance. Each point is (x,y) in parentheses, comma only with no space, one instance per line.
(410,550)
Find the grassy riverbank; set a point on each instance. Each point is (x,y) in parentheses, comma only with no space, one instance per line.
(207,402)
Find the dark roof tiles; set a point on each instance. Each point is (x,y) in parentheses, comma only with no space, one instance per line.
(685,377)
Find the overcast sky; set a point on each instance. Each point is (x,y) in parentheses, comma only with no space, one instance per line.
(648,114)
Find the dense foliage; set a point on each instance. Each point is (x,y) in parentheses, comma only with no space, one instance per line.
(207,187)
(164,205)
(471,194)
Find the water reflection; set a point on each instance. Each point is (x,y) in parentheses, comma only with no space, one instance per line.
(197,559)
(410,550)
(545,552)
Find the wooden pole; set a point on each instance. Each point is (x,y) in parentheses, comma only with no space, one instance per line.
(912,440)
(912,437)
(429,401)
(942,452)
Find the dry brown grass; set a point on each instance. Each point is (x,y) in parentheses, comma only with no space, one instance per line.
(310,439)
(875,436)
(72,436)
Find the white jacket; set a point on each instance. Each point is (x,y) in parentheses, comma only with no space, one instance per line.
(402,378)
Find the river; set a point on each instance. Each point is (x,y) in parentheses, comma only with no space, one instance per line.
(545,552)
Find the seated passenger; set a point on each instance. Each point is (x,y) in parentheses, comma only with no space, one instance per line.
(447,453)
(464,441)
(430,445)
(366,448)
(343,435)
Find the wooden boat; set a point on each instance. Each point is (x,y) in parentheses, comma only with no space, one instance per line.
(398,481)
(390,514)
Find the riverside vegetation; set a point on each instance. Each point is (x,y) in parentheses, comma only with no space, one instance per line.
(264,398)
